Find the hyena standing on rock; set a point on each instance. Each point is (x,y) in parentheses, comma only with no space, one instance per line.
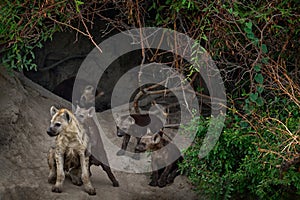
(165,157)
(98,154)
(70,153)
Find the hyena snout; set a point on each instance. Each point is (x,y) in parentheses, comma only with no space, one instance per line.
(51,132)
(120,132)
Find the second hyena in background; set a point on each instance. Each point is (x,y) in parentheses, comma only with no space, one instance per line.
(98,154)
(165,157)
(70,153)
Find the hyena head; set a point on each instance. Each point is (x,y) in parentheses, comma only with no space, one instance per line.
(87,96)
(82,114)
(150,141)
(124,124)
(61,118)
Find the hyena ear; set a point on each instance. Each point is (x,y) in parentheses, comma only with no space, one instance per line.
(74,108)
(91,111)
(117,118)
(160,132)
(100,94)
(131,120)
(156,138)
(89,87)
(68,117)
(53,110)
(148,131)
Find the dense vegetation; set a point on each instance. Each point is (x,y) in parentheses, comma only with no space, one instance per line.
(256,46)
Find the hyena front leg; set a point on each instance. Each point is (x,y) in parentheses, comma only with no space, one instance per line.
(162,181)
(60,174)
(154,175)
(126,139)
(154,178)
(85,176)
(174,172)
(52,165)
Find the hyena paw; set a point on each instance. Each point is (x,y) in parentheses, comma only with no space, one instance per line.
(136,156)
(170,180)
(56,189)
(121,152)
(116,184)
(91,191)
(153,183)
(161,183)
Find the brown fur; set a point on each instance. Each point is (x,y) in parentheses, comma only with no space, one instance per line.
(70,151)
(165,157)
(98,154)
(136,125)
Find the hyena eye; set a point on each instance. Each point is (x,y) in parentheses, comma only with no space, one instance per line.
(57,124)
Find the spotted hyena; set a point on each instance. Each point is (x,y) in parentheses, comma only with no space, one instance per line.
(165,157)
(70,153)
(98,154)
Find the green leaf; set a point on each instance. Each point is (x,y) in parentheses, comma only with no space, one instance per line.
(259,78)
(249,25)
(248,30)
(260,89)
(250,35)
(253,97)
(244,124)
(265,60)
(264,48)
(79,3)
(257,68)
(260,101)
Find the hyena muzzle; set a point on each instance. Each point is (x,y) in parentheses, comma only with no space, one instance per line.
(70,153)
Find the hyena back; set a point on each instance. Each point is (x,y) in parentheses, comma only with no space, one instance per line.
(70,152)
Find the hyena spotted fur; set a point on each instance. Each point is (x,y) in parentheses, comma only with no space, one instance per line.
(98,154)
(165,157)
(70,153)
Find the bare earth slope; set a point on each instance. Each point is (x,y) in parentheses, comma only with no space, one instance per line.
(24,118)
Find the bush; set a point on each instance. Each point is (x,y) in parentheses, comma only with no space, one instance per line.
(244,163)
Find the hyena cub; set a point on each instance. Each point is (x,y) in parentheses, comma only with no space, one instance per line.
(165,157)
(98,154)
(70,153)
(135,125)
(89,96)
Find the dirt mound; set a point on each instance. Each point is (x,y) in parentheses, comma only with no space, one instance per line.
(24,144)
